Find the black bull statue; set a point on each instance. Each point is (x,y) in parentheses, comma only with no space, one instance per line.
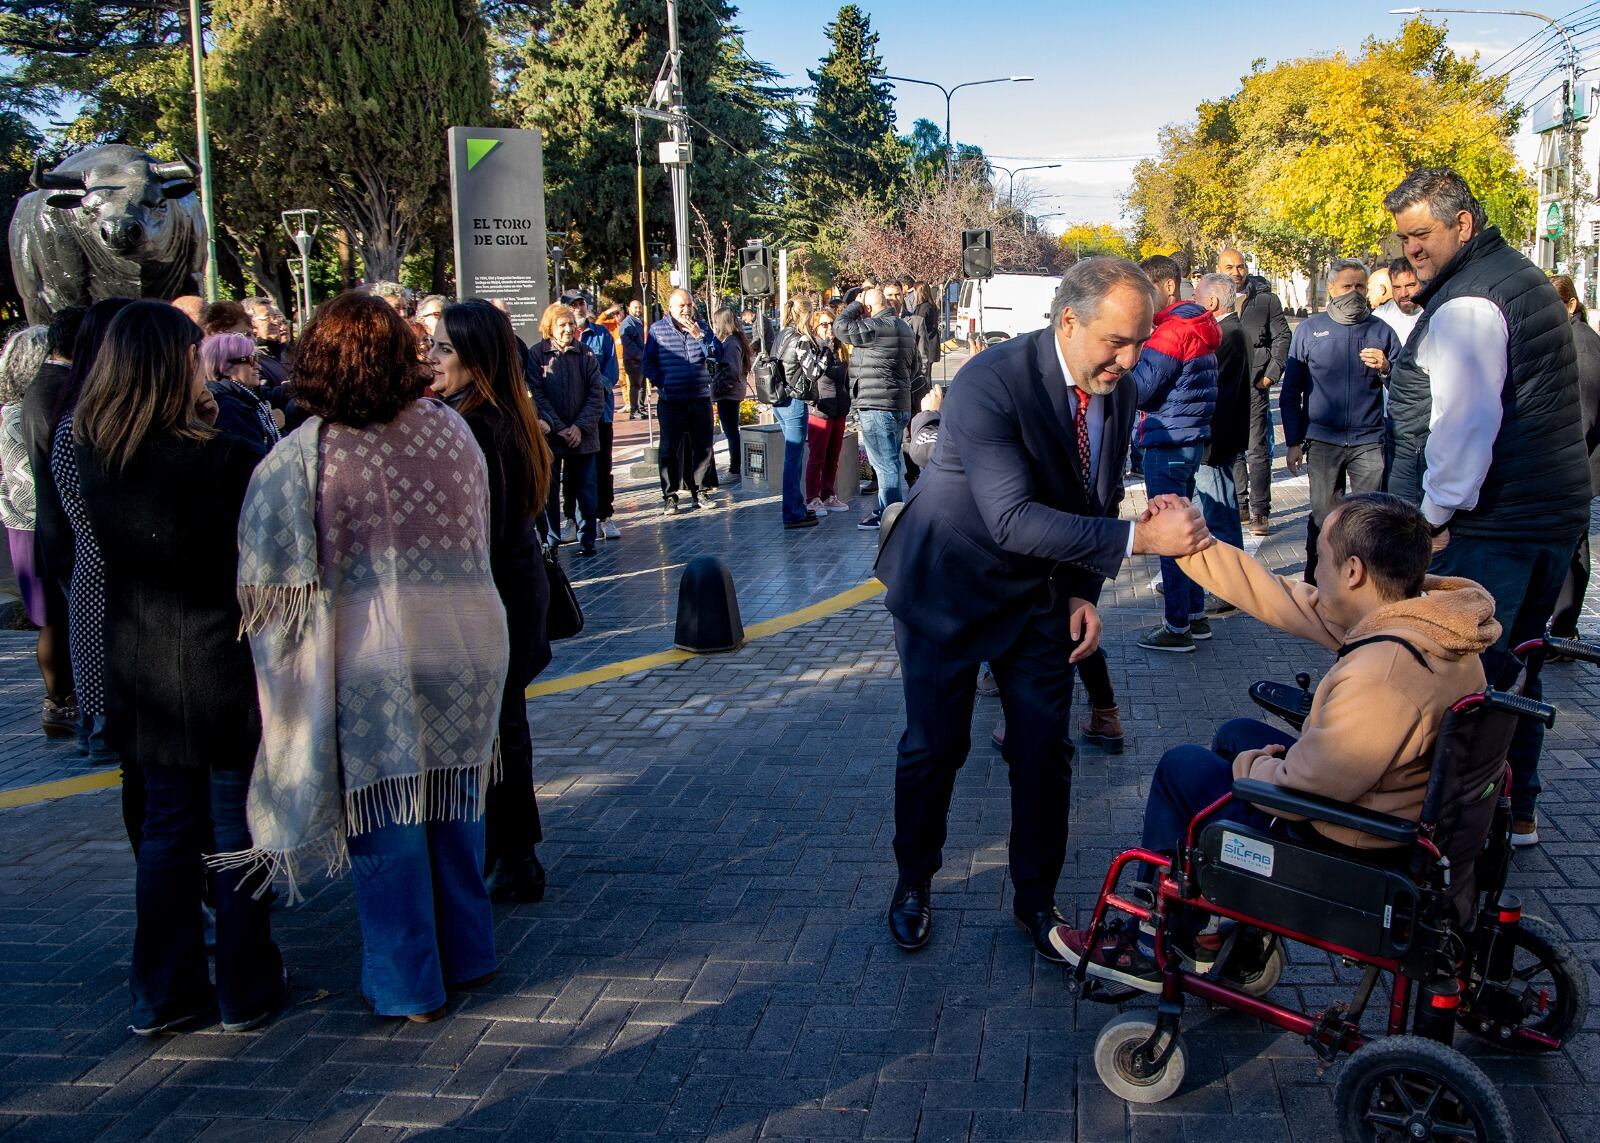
(108,222)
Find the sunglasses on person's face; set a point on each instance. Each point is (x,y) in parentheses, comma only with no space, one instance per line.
(241,361)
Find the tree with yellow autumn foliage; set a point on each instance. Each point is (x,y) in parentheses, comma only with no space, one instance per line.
(1295,164)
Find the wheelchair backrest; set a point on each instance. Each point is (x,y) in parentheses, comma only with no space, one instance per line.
(1464,783)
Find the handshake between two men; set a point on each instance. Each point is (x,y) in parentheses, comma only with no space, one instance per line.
(1171,526)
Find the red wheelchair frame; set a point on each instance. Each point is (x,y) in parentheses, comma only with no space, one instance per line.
(1447,974)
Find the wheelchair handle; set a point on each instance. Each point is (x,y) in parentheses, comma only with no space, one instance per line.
(1548,645)
(1508,703)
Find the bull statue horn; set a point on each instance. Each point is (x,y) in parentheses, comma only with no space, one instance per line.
(177,169)
(42,179)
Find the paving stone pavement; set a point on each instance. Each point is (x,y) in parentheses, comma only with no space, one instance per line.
(710,961)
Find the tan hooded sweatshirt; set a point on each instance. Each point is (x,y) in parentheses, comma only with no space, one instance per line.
(1375,716)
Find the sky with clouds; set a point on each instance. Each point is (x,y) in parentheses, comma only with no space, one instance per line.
(1107,76)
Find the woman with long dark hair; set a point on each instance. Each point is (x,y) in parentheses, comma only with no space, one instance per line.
(162,491)
(478,371)
(822,359)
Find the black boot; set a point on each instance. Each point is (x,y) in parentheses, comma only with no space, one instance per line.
(911,914)
(513,880)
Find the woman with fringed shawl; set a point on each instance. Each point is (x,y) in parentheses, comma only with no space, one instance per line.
(381,651)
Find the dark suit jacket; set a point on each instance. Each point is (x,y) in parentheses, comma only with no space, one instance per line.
(999,531)
(1230,424)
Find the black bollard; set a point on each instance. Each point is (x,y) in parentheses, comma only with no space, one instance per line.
(708,608)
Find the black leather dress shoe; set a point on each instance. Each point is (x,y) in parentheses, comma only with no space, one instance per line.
(522,881)
(1037,926)
(911,914)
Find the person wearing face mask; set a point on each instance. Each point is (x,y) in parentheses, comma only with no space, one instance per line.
(1332,398)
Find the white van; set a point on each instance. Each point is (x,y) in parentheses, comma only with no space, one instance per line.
(1012,304)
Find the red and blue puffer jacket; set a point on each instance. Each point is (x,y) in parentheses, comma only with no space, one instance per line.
(1177,377)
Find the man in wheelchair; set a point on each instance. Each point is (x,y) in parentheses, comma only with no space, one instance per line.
(1408,647)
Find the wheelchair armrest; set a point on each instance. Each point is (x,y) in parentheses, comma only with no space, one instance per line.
(1387,827)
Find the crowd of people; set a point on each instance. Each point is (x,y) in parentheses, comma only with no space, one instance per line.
(176,476)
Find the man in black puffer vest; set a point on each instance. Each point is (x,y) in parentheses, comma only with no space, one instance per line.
(1488,429)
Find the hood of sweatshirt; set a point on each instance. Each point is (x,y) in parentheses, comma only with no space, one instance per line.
(1451,618)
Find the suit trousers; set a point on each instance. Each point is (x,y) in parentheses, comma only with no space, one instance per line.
(685,459)
(1252,469)
(1036,694)
(1330,470)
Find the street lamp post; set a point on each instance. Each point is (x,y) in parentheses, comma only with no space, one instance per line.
(202,134)
(949,143)
(1012,173)
(1569,122)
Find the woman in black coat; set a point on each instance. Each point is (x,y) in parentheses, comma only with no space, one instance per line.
(570,395)
(163,489)
(1587,342)
(478,371)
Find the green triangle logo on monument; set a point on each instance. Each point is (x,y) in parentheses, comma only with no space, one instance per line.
(477,149)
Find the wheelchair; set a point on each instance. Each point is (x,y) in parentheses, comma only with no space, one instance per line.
(1431,910)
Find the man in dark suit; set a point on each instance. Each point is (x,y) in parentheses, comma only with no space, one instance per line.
(999,555)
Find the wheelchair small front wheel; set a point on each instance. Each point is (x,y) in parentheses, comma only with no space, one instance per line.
(1118,1058)
(1415,1089)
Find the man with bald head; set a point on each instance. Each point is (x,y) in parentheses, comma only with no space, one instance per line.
(1267,332)
(883,369)
(191,306)
(680,360)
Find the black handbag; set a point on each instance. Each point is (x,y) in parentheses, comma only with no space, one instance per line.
(564,617)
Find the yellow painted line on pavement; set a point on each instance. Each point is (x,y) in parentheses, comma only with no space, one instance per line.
(61,788)
(819,610)
(86,783)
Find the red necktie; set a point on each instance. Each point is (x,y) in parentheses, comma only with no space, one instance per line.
(1080,421)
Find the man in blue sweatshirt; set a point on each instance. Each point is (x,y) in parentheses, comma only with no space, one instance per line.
(1332,398)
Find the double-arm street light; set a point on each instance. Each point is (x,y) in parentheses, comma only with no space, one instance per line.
(950,146)
(1012,173)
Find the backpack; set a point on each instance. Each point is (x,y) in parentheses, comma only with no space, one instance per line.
(768,373)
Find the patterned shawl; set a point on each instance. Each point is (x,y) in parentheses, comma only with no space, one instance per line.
(378,635)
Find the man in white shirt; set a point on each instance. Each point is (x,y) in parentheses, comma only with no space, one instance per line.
(1487,428)
(1401,311)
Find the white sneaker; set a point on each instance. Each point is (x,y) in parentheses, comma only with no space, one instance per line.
(818,507)
(834,504)
(609,531)
(569,532)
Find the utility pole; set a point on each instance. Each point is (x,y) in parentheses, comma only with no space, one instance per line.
(202,132)
(679,167)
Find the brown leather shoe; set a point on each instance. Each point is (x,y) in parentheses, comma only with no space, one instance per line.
(1259,526)
(1103,728)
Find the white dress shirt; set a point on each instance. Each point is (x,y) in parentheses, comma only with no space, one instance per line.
(1397,319)
(1097,423)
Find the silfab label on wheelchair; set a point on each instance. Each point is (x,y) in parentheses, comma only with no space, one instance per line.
(1429,908)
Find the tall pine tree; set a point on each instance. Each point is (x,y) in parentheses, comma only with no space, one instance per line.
(849,151)
(590,59)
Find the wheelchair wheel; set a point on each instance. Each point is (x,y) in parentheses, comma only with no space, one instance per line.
(1114,1060)
(1256,963)
(1415,1089)
(1557,989)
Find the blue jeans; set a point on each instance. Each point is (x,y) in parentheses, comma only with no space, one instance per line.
(1190,778)
(793,420)
(425,917)
(1525,578)
(190,812)
(1219,500)
(882,433)
(1171,469)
